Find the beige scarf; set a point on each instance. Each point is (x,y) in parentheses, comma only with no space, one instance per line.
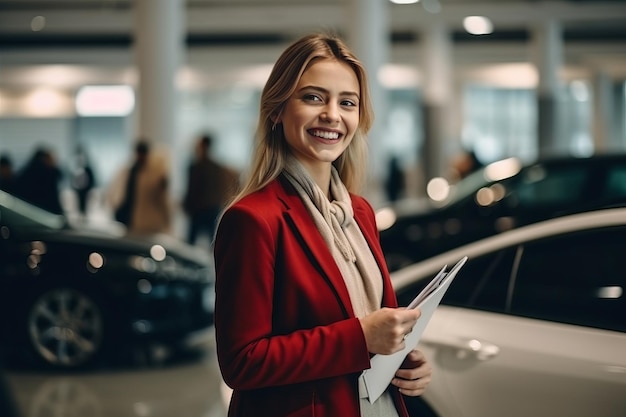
(335,222)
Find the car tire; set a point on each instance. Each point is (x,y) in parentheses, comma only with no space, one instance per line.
(65,328)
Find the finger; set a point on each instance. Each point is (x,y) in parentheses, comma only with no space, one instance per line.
(412,387)
(414,359)
(412,374)
(415,372)
(411,315)
(412,393)
(416,355)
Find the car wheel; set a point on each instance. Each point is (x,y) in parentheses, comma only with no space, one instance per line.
(65,328)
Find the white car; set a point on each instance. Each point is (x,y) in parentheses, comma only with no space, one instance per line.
(532,326)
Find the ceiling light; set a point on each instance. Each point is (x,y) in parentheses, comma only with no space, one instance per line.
(478,25)
(105,100)
(37,23)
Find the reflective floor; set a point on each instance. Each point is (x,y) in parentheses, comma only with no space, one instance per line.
(188,386)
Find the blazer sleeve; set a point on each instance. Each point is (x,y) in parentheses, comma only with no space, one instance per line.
(250,354)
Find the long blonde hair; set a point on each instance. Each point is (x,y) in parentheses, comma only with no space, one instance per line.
(271,147)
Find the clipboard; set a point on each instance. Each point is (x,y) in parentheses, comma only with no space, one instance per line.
(384,367)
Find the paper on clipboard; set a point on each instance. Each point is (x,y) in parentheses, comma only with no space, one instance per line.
(384,367)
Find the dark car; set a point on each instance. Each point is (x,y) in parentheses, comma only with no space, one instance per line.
(501,196)
(69,296)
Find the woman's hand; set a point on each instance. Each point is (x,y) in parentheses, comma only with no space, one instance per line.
(414,374)
(386,328)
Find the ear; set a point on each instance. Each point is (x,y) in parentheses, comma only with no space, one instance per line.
(276,119)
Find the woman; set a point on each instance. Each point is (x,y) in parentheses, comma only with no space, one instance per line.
(139,194)
(303,296)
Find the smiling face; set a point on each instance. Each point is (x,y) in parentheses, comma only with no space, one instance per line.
(320,118)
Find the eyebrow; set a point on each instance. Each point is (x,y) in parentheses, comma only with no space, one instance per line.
(325,91)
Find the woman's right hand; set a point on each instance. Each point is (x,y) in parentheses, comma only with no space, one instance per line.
(386,328)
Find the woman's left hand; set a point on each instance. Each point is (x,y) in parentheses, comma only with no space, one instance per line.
(414,374)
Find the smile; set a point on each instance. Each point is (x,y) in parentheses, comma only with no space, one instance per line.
(324,134)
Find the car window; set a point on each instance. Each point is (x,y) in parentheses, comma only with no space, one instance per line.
(543,186)
(616,183)
(576,278)
(482,283)
(467,186)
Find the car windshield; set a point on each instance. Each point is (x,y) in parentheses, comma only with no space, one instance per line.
(494,172)
(467,186)
(21,214)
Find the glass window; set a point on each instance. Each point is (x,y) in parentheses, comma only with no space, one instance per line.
(500,122)
(538,187)
(576,278)
(616,183)
(483,282)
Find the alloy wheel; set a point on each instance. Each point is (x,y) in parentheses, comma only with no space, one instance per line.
(65,327)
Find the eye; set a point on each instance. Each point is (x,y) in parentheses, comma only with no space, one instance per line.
(311,97)
(349,103)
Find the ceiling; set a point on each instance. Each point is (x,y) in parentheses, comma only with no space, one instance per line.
(228,36)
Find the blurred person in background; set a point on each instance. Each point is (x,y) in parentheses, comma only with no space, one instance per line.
(139,194)
(394,183)
(464,164)
(303,294)
(39,181)
(209,186)
(7,174)
(82,179)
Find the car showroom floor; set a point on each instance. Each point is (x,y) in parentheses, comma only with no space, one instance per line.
(187,386)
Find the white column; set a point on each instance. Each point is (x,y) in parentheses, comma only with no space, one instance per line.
(603,111)
(437,86)
(159,43)
(547,54)
(369,38)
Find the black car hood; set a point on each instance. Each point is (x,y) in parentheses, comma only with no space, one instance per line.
(124,243)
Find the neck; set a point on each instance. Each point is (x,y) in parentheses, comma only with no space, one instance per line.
(321,176)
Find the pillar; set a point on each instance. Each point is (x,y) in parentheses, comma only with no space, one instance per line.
(437,86)
(547,54)
(158,45)
(369,38)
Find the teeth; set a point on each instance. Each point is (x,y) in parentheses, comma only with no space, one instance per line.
(325,135)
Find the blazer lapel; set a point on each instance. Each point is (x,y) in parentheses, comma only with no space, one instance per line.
(299,220)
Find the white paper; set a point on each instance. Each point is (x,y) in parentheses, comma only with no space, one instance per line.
(384,367)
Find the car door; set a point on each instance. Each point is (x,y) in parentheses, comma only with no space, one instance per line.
(447,350)
(557,348)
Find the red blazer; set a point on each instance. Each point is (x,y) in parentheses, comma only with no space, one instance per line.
(288,342)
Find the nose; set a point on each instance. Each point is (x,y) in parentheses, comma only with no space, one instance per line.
(331,113)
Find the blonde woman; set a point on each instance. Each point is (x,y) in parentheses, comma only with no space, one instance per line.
(303,296)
